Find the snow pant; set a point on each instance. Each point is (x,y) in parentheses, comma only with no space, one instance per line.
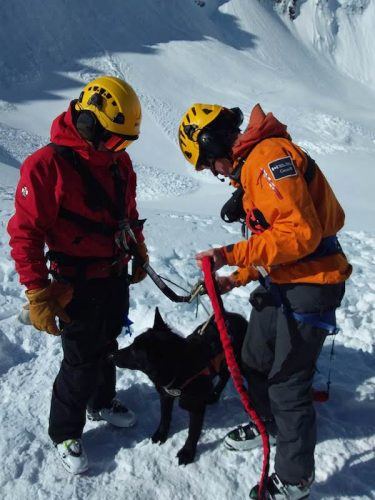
(86,378)
(279,355)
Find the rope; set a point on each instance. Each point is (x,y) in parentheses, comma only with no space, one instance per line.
(173,283)
(196,297)
(218,308)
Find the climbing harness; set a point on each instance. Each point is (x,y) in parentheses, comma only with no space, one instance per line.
(325,320)
(96,199)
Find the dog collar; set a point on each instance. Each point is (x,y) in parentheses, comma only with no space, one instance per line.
(175,393)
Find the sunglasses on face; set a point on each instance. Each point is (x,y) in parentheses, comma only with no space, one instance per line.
(116,143)
(214,145)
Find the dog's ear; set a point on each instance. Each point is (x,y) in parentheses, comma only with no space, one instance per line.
(159,323)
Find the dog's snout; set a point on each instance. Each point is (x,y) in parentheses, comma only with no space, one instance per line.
(124,358)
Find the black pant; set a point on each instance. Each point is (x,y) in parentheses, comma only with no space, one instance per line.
(85,378)
(279,356)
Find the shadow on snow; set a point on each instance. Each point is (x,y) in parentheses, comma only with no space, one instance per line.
(36,48)
(345,416)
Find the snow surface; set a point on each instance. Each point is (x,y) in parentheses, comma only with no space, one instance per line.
(317,75)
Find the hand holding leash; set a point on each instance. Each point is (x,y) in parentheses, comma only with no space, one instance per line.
(225,283)
(215,254)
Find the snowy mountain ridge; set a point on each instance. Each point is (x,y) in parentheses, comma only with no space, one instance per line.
(339,29)
(293,7)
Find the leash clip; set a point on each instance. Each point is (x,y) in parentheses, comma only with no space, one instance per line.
(198,289)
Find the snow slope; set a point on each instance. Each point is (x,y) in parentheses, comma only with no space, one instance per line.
(234,52)
(343,30)
(316,74)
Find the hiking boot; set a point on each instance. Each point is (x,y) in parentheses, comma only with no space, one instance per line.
(278,490)
(117,414)
(245,437)
(72,456)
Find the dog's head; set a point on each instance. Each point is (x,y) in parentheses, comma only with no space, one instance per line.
(157,352)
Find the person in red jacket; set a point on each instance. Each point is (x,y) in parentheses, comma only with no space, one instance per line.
(77,196)
(293,215)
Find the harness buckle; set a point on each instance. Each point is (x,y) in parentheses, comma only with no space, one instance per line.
(125,231)
(174,393)
(198,289)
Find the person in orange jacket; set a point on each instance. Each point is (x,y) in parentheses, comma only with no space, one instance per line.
(287,204)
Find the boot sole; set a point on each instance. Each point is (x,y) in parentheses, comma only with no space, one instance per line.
(269,497)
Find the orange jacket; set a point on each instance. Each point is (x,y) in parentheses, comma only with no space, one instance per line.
(299,215)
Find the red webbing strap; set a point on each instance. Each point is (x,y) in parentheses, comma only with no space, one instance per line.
(218,308)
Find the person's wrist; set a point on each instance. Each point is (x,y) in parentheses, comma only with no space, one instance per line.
(38,294)
(223,255)
(227,252)
(219,258)
(225,283)
(37,285)
(233,279)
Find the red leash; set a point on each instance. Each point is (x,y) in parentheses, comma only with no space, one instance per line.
(218,308)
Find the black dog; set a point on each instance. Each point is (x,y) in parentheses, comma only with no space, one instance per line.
(183,368)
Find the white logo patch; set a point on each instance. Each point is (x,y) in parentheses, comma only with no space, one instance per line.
(24,191)
(283,167)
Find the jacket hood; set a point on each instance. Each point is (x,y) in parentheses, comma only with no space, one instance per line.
(64,133)
(261,126)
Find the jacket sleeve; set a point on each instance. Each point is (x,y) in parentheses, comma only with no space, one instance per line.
(295,230)
(132,200)
(36,209)
(243,275)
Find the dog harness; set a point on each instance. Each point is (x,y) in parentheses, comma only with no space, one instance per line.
(211,370)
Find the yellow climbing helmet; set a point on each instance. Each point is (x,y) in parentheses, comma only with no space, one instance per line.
(197,117)
(207,131)
(115,105)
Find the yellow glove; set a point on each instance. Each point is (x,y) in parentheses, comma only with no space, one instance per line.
(47,303)
(138,273)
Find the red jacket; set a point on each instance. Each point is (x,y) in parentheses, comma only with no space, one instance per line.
(48,182)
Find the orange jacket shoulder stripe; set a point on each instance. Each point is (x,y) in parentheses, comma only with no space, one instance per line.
(299,215)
